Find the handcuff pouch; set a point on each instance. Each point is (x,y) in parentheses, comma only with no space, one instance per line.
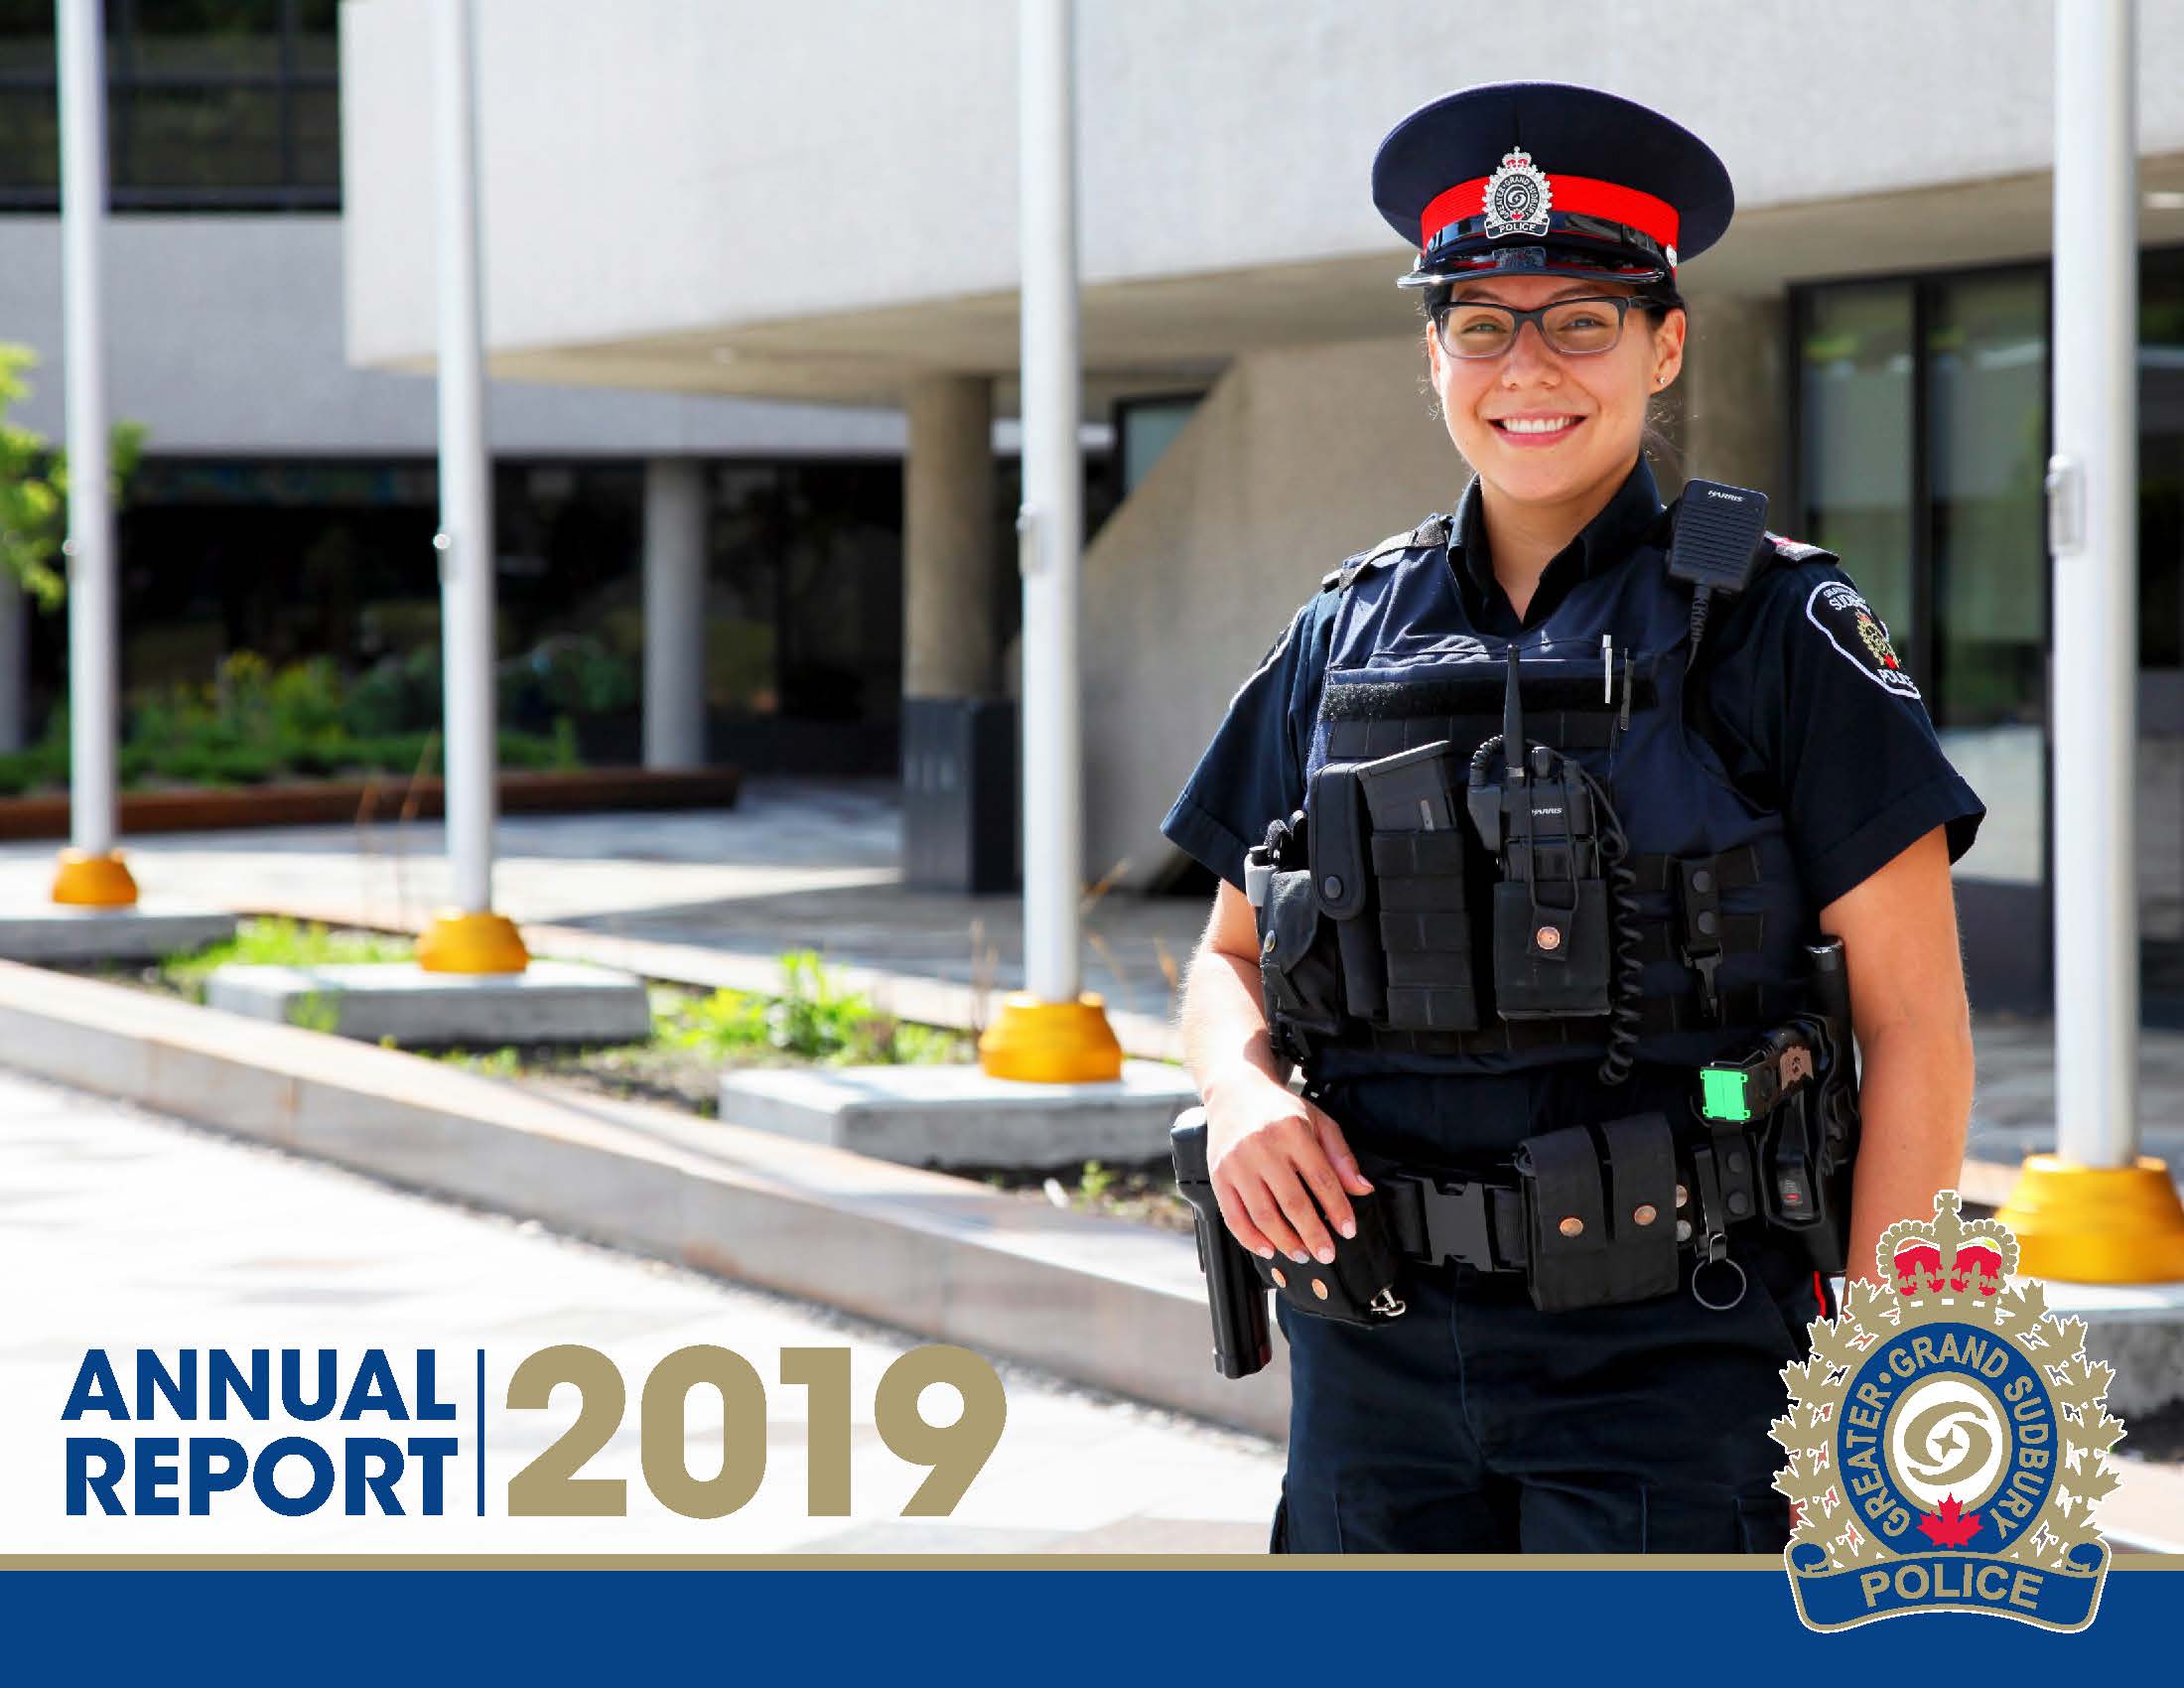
(1599,1206)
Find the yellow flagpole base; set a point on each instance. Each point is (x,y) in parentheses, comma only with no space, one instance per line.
(94,882)
(458,942)
(1051,1042)
(2084,1224)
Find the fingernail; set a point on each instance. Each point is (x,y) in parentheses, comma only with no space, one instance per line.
(1298,1255)
(1349,1227)
(1368,1183)
(1266,1254)
(1325,1257)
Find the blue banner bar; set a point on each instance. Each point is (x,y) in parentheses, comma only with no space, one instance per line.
(1025,1621)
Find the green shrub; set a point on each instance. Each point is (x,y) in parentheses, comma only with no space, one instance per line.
(278,941)
(255,723)
(813,1017)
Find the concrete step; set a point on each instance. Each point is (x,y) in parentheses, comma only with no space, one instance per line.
(957,1116)
(398,1001)
(60,937)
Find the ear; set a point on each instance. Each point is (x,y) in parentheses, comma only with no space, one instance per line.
(1668,350)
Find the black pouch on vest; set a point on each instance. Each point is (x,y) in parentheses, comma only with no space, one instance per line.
(1360,1288)
(1296,964)
(1426,931)
(1338,859)
(1599,1209)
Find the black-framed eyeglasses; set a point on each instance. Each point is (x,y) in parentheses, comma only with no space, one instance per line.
(1575,328)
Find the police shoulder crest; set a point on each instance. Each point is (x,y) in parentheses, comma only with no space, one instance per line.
(1948,1440)
(1861,638)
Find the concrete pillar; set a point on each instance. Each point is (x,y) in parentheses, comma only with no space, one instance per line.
(1736,398)
(15,661)
(675,613)
(948,540)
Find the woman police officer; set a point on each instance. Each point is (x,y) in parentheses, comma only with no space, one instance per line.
(1778,758)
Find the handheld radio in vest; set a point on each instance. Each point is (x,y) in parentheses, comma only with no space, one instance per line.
(1541,822)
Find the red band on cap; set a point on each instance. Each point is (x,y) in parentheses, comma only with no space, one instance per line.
(1581,196)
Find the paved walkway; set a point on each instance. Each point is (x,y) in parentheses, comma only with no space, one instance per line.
(125,1229)
(714,895)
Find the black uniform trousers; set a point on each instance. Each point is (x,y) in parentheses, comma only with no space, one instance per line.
(1476,1424)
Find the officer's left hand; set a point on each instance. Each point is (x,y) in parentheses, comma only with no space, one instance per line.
(1281,1168)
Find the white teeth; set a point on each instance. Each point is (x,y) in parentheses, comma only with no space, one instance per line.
(1535,424)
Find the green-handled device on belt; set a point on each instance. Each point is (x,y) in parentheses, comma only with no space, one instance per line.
(1798,1092)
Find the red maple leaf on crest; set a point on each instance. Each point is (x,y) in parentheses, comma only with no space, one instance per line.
(1947,1528)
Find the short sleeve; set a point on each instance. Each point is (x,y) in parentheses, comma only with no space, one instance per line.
(1253,772)
(1832,731)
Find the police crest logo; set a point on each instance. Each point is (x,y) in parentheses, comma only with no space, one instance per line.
(1860,637)
(1518,196)
(1948,1442)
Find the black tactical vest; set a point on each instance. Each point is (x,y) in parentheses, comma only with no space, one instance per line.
(1707,904)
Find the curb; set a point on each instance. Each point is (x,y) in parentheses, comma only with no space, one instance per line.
(1101,1301)
(907,996)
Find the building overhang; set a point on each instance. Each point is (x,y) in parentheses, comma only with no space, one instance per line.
(1177,332)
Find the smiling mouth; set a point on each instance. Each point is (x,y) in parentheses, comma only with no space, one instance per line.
(1535,427)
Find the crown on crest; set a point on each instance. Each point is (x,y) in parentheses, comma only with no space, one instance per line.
(1948,1255)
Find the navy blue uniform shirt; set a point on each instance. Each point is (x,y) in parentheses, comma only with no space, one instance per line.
(1803,698)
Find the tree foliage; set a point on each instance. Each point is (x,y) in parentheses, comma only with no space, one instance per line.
(34,484)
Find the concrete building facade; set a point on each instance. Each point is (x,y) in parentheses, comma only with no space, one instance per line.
(820,206)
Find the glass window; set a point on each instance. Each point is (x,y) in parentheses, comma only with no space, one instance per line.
(1856,439)
(2161,462)
(199,135)
(211,104)
(1144,428)
(29,143)
(2161,628)
(1986,457)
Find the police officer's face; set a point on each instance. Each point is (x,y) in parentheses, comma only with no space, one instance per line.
(1544,426)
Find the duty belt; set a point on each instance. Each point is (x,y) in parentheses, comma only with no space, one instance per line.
(1477,1219)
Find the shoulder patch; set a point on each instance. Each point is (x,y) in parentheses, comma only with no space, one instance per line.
(1432,531)
(1858,636)
(1797,551)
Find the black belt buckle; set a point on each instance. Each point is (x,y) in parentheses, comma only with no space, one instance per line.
(1441,1219)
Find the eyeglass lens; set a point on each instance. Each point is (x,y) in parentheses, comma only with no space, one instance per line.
(1576,327)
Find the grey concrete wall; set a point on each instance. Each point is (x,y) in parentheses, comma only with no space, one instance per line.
(1295,460)
(1732,397)
(225,336)
(675,165)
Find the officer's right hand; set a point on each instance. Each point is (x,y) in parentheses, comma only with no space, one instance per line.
(1280,1163)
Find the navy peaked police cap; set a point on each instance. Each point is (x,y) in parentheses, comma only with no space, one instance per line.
(1551,179)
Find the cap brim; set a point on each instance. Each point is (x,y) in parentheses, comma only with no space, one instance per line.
(1489,262)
